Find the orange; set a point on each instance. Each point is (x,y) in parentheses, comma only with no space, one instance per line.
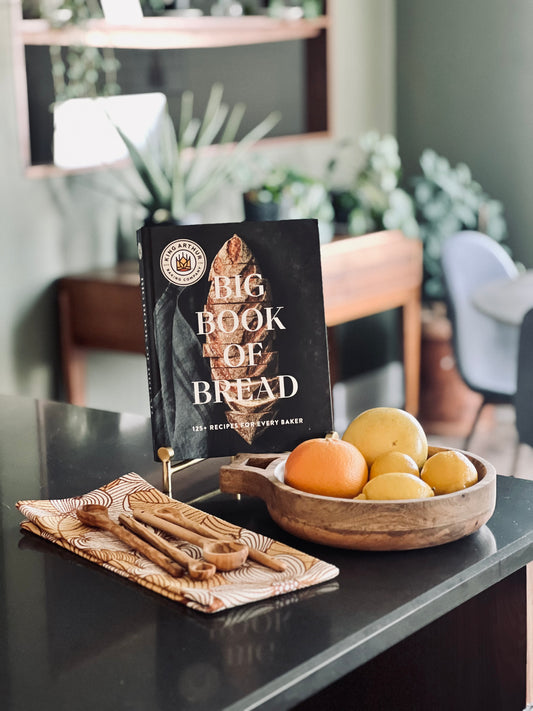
(382,429)
(327,466)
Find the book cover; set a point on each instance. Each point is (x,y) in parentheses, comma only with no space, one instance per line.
(236,340)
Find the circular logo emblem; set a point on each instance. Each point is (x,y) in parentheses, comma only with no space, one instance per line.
(183,262)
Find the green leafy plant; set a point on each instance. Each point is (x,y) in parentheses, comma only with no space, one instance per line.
(306,197)
(268,188)
(297,195)
(375,201)
(183,170)
(77,71)
(448,200)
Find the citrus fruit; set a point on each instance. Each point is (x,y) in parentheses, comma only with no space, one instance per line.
(393,461)
(397,485)
(328,466)
(382,429)
(449,471)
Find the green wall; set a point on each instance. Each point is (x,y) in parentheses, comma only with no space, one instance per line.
(465,89)
(48,227)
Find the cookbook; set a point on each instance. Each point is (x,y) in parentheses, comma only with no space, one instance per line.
(236,341)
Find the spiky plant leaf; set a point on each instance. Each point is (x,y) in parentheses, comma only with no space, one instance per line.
(150,173)
(167,146)
(186,114)
(212,109)
(233,123)
(225,168)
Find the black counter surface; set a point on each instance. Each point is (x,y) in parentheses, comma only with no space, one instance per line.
(75,636)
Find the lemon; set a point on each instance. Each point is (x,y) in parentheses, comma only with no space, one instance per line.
(382,429)
(397,485)
(449,471)
(393,461)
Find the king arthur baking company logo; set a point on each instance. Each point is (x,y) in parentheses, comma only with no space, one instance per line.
(183,262)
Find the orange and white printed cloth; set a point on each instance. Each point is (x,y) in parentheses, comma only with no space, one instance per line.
(56,521)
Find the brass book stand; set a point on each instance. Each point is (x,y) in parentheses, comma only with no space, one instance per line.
(165,454)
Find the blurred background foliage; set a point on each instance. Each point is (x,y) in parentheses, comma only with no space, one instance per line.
(433,205)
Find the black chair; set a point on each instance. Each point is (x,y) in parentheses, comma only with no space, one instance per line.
(523,399)
(485,350)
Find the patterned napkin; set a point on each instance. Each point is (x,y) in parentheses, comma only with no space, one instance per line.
(56,521)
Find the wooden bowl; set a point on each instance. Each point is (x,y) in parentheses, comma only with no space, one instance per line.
(360,524)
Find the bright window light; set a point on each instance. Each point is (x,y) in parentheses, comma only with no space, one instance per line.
(84,134)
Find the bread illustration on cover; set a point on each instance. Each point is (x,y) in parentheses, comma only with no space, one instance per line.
(240,344)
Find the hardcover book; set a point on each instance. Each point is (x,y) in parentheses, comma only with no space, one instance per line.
(235,334)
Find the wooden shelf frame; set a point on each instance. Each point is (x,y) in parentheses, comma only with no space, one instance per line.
(170,32)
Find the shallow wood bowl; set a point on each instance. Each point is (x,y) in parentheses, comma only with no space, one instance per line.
(360,524)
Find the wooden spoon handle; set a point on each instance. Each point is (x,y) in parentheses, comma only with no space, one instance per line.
(198,569)
(172,528)
(267,560)
(133,541)
(253,553)
(164,546)
(169,513)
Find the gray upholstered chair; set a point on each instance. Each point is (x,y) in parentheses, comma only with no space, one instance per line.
(485,350)
(523,399)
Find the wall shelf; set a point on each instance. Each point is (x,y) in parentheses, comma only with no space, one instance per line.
(173,32)
(168,32)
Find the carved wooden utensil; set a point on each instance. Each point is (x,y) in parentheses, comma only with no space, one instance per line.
(197,569)
(97,516)
(226,555)
(169,513)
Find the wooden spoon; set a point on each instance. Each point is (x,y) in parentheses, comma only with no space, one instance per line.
(170,513)
(197,569)
(97,516)
(226,555)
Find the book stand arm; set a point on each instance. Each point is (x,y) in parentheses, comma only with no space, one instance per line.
(165,454)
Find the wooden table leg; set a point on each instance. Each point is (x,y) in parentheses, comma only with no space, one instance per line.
(412,333)
(73,359)
(75,374)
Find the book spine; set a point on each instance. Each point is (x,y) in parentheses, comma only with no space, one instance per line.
(147,299)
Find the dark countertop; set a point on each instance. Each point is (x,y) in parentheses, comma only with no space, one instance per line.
(76,636)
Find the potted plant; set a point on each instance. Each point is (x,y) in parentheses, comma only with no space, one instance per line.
(77,71)
(263,200)
(306,197)
(374,201)
(290,194)
(447,200)
(81,71)
(181,169)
